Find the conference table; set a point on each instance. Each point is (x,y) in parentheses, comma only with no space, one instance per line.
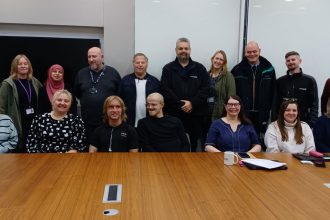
(159,186)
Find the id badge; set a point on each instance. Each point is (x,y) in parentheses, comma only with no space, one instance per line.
(29,111)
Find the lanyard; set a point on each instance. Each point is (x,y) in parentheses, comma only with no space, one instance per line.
(94,82)
(28,94)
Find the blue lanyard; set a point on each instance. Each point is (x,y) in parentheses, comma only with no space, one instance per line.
(98,78)
(28,94)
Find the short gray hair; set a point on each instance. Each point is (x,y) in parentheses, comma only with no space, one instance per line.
(182,39)
(142,55)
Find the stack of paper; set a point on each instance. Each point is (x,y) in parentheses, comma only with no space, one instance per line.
(264,163)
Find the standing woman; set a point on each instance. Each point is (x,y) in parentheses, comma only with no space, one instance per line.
(57,131)
(222,84)
(54,82)
(288,133)
(19,97)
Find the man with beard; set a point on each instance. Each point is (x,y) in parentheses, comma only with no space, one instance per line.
(300,87)
(93,84)
(159,132)
(185,86)
(114,135)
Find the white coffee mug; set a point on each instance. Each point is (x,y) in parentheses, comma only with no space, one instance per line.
(230,158)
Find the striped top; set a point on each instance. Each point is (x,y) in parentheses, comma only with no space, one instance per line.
(8,134)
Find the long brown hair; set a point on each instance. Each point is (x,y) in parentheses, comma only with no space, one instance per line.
(241,115)
(298,136)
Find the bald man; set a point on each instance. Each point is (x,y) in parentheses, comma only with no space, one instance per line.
(159,132)
(255,84)
(93,84)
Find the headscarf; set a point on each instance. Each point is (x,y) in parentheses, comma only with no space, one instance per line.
(51,85)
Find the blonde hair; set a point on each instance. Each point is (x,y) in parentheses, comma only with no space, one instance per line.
(60,92)
(224,66)
(122,105)
(14,66)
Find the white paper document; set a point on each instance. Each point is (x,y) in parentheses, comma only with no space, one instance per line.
(269,164)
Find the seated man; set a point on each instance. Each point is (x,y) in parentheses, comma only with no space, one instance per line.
(159,132)
(8,134)
(114,134)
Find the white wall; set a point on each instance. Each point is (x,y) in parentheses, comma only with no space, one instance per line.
(278,25)
(209,24)
(111,21)
(281,26)
(59,12)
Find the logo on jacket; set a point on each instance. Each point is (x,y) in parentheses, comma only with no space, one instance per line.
(123,134)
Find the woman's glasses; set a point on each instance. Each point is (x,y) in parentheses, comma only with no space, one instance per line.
(233,105)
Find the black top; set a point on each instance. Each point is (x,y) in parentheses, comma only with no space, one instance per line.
(164,134)
(188,83)
(48,135)
(303,88)
(28,108)
(117,139)
(264,79)
(92,95)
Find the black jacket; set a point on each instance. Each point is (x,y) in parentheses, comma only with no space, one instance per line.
(127,91)
(264,87)
(303,88)
(189,83)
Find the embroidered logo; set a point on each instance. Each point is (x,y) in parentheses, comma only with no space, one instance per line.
(123,134)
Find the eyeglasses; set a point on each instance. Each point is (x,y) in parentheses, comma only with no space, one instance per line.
(236,105)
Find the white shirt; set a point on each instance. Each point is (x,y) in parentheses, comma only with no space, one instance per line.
(274,143)
(140,106)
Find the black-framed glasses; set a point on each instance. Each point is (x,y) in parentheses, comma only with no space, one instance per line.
(233,105)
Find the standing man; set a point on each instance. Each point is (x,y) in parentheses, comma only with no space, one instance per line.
(135,87)
(159,132)
(185,86)
(296,85)
(93,84)
(255,84)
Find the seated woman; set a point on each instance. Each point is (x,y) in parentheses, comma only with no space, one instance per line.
(114,134)
(288,133)
(57,131)
(232,132)
(8,134)
(321,131)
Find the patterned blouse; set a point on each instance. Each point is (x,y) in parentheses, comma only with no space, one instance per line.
(48,135)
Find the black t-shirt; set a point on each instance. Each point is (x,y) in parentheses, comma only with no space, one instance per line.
(117,139)
(164,134)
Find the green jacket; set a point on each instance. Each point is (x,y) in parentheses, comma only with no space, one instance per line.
(9,103)
(224,87)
